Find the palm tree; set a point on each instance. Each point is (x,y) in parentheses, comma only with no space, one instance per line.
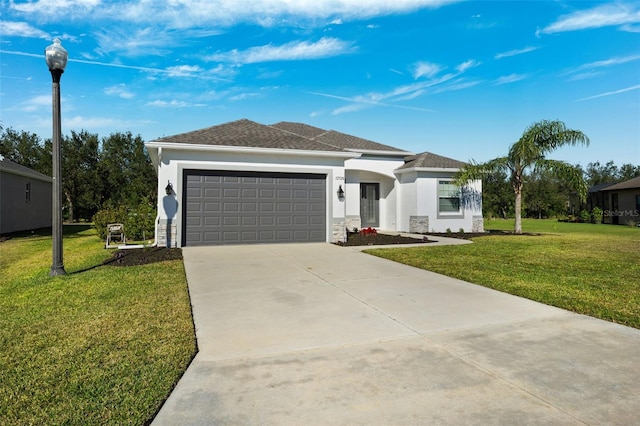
(529,152)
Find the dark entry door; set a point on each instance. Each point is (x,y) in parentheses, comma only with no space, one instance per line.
(369,205)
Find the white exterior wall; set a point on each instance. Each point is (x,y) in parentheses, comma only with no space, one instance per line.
(374,170)
(173,162)
(408,201)
(427,204)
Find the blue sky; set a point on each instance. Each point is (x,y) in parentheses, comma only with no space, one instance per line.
(460,79)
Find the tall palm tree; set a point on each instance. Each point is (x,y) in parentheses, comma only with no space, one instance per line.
(529,152)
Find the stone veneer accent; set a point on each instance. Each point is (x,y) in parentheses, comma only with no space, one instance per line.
(167,233)
(477,224)
(419,224)
(338,231)
(352,221)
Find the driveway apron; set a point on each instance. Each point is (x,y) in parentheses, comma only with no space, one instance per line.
(318,334)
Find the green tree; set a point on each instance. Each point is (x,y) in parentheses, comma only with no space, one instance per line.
(497,199)
(528,153)
(81,183)
(544,195)
(597,173)
(127,174)
(628,171)
(26,149)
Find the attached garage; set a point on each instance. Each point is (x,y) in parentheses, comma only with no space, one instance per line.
(228,207)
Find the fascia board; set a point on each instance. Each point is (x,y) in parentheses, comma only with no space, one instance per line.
(26,174)
(427,169)
(254,150)
(384,153)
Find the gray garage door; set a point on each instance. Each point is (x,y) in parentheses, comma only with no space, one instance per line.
(252,207)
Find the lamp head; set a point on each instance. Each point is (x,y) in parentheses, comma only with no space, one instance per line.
(56,56)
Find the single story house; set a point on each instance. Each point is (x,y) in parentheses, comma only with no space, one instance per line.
(623,202)
(244,182)
(25,198)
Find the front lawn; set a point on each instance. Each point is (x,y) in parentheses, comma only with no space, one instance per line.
(102,345)
(586,268)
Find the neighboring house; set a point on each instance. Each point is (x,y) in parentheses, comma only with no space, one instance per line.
(623,201)
(25,198)
(244,182)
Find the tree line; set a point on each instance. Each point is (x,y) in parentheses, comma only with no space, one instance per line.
(545,195)
(97,173)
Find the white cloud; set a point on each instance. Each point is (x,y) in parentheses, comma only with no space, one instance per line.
(189,13)
(615,92)
(21,29)
(36,103)
(184,70)
(79,122)
(614,14)
(471,63)
(425,69)
(118,90)
(515,52)
(511,78)
(608,62)
(172,104)
(293,51)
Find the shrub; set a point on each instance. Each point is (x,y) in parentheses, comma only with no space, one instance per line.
(585,216)
(139,221)
(596,215)
(368,231)
(107,215)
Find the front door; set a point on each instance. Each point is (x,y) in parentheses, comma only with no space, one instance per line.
(369,205)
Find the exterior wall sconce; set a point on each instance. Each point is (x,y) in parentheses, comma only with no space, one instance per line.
(169,188)
(340,193)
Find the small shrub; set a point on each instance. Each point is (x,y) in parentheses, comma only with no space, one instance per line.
(461,231)
(596,215)
(107,215)
(448,231)
(369,231)
(138,221)
(585,216)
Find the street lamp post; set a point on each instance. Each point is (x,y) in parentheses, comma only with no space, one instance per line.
(56,57)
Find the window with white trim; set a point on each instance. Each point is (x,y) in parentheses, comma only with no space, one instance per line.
(448,197)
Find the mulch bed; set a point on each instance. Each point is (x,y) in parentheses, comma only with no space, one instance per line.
(356,239)
(143,256)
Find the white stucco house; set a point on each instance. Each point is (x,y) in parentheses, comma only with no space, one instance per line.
(244,182)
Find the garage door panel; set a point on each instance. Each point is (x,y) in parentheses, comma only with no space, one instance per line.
(252,207)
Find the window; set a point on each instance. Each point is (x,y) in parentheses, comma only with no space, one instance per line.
(448,197)
(638,202)
(27,194)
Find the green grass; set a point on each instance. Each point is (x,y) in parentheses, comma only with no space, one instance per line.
(586,268)
(101,345)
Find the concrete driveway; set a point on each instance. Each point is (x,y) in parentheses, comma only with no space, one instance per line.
(316,334)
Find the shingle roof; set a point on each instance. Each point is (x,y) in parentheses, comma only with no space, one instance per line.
(15,168)
(247,133)
(430,160)
(300,129)
(627,184)
(333,138)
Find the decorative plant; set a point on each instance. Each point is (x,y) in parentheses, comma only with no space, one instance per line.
(368,231)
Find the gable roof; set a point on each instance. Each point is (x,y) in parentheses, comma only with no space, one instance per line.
(428,160)
(633,183)
(249,134)
(335,139)
(9,166)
